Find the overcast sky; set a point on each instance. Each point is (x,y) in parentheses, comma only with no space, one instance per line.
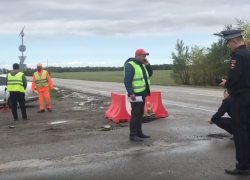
(107,32)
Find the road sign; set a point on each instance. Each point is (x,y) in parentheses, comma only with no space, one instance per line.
(23,67)
(22,48)
(22,59)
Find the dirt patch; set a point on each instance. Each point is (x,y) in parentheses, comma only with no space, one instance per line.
(74,115)
(53,129)
(219,136)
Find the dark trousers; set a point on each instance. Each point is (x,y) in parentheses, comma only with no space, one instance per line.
(20,98)
(137,111)
(240,113)
(225,123)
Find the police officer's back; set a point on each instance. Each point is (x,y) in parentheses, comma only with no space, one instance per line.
(16,85)
(238,85)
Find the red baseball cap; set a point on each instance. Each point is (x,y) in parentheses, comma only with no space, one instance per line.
(141,51)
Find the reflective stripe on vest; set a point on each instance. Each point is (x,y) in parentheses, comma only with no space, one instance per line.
(138,82)
(15,83)
(41,81)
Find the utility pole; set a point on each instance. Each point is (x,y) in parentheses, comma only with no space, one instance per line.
(22,48)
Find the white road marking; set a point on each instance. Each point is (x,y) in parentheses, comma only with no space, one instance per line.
(119,90)
(57,122)
(188,107)
(162,91)
(205,95)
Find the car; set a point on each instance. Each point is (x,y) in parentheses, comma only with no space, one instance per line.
(29,95)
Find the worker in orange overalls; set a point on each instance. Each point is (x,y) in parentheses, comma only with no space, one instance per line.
(42,82)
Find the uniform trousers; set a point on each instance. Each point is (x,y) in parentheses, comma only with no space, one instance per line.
(137,111)
(18,97)
(240,114)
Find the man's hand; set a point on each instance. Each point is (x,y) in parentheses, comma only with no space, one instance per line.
(146,62)
(132,97)
(210,121)
(223,83)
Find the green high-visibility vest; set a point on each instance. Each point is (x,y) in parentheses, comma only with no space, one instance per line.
(41,81)
(138,83)
(15,83)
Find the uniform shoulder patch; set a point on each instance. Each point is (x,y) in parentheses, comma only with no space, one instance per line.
(233,64)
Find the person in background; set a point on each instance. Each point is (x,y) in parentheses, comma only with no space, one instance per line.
(42,82)
(16,85)
(223,122)
(137,73)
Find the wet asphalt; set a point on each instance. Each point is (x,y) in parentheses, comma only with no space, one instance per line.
(182,146)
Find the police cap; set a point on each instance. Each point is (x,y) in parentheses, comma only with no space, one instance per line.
(231,34)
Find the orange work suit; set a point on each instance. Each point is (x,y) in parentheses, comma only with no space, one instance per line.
(43,92)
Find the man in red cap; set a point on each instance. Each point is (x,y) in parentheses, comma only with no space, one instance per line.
(42,82)
(137,83)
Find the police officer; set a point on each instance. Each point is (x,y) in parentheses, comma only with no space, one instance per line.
(137,83)
(238,85)
(16,85)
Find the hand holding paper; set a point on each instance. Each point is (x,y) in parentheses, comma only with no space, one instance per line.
(135,99)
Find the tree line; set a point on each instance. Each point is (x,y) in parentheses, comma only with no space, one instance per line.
(197,65)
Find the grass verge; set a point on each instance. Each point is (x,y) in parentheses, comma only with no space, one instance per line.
(160,77)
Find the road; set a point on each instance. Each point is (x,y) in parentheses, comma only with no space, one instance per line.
(181,146)
(192,98)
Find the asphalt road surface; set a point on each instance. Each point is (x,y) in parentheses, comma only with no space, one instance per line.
(182,146)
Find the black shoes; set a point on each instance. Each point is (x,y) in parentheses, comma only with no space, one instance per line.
(41,111)
(238,171)
(139,137)
(143,136)
(135,138)
(25,119)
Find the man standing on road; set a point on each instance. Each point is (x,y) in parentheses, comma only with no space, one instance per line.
(137,83)
(238,85)
(42,82)
(16,84)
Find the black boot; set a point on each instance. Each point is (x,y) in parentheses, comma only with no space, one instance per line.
(141,135)
(238,172)
(41,111)
(135,138)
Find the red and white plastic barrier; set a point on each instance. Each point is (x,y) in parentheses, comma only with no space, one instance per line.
(156,104)
(120,109)
(117,111)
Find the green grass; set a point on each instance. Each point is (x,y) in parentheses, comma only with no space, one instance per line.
(55,95)
(160,77)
